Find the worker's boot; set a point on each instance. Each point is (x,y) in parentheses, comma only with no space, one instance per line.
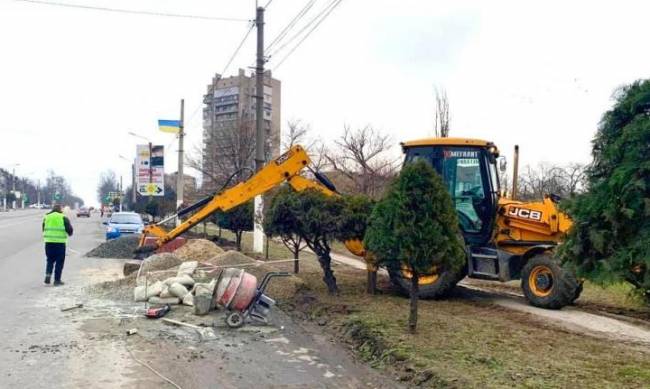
(47,278)
(59,283)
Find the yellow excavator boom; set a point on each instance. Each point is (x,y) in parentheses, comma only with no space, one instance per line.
(284,168)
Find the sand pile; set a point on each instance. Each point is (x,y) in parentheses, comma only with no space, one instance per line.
(160,261)
(122,247)
(198,250)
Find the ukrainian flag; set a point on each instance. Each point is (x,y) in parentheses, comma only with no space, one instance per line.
(173,126)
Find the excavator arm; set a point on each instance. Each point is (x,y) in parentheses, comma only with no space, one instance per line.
(285,168)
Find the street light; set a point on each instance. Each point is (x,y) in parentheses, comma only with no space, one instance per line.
(133,198)
(139,136)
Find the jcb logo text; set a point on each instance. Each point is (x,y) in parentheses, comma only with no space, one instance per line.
(525,213)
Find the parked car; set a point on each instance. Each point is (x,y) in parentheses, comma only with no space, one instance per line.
(123,223)
(83,211)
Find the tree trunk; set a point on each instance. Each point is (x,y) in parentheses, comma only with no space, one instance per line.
(415,291)
(328,275)
(238,240)
(372,282)
(296,263)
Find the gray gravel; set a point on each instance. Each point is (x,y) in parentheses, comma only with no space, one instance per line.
(121,247)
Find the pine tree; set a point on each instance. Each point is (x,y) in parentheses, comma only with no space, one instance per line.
(611,238)
(415,226)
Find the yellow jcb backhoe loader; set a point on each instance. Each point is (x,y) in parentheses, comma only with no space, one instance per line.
(505,239)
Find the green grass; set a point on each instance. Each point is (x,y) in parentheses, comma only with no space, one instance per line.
(464,343)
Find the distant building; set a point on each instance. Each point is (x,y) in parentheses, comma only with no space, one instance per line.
(229,125)
(189,184)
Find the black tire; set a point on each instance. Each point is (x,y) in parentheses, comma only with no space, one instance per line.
(546,284)
(578,292)
(437,289)
(235,320)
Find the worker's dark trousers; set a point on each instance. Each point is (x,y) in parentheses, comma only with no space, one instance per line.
(55,253)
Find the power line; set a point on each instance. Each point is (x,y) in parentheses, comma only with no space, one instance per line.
(333,5)
(267,4)
(238,48)
(291,24)
(323,13)
(134,12)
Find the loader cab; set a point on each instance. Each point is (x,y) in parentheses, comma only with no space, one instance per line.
(468,168)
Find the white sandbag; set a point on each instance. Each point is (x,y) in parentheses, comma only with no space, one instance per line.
(187,268)
(203,302)
(184,280)
(165,293)
(142,293)
(188,300)
(204,288)
(178,290)
(162,301)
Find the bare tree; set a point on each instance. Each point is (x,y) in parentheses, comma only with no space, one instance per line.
(318,154)
(442,116)
(227,152)
(362,156)
(107,183)
(296,134)
(575,178)
(545,178)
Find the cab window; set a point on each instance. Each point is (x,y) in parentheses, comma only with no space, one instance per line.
(461,171)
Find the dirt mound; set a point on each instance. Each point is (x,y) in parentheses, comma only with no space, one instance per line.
(122,247)
(198,250)
(281,288)
(120,289)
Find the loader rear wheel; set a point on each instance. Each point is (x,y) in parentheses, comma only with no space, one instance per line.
(434,285)
(546,284)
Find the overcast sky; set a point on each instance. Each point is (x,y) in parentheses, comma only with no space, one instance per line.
(74,82)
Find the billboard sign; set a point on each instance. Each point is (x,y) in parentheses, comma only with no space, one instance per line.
(150,170)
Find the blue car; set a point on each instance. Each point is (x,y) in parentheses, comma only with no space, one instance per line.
(123,223)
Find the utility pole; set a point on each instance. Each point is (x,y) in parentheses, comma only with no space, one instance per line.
(121,189)
(259,91)
(180,177)
(150,170)
(133,183)
(38,192)
(258,230)
(13,186)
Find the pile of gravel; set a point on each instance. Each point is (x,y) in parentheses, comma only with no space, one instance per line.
(122,247)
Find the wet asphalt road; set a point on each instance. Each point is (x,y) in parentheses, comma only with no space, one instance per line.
(44,347)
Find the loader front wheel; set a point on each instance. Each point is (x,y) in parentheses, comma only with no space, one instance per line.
(434,285)
(546,284)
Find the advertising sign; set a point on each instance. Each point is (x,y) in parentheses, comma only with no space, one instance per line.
(150,170)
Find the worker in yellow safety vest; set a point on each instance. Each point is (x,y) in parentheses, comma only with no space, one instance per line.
(56,229)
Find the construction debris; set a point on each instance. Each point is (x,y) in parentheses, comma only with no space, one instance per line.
(121,247)
(198,250)
(72,307)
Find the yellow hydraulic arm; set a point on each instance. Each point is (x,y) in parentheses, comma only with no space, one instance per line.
(284,168)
